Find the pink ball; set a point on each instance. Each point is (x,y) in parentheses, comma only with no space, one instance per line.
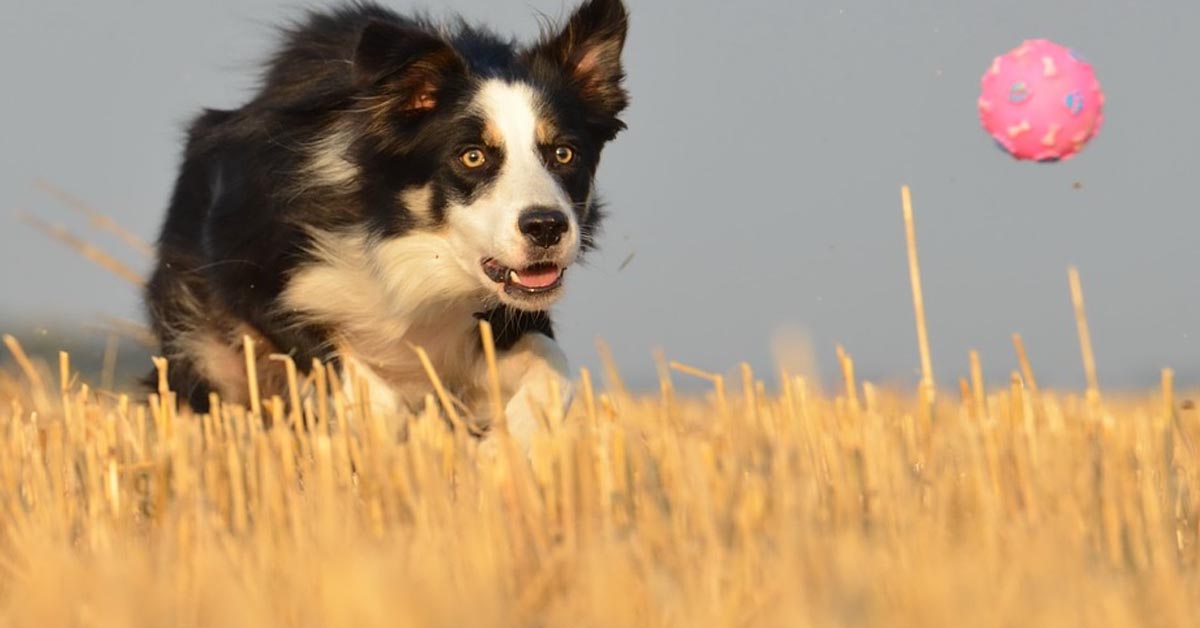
(1041,101)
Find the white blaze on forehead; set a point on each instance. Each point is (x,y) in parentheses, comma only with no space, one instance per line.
(511,112)
(511,108)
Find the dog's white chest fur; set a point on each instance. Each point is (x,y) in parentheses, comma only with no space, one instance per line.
(380,323)
(394,374)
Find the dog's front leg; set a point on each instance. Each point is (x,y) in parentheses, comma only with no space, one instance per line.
(529,371)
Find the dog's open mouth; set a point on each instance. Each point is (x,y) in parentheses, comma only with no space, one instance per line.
(536,279)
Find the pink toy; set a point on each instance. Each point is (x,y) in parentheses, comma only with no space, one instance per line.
(1041,101)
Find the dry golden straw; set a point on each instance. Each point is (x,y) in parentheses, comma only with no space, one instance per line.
(978,393)
(252,376)
(914,273)
(97,218)
(1026,367)
(1085,336)
(749,507)
(773,510)
(442,395)
(493,374)
(84,248)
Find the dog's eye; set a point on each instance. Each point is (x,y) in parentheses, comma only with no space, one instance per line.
(473,158)
(564,155)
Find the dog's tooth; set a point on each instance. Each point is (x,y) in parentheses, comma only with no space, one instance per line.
(514,276)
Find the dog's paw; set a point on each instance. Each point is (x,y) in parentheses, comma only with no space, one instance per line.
(543,397)
(488,451)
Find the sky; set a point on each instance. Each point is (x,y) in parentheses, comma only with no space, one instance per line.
(754,197)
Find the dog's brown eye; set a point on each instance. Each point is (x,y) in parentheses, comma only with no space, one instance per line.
(473,158)
(564,155)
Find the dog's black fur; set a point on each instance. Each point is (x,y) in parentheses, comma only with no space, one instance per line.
(250,195)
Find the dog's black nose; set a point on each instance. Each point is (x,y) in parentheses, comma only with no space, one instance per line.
(543,226)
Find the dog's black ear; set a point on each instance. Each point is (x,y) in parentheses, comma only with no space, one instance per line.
(408,65)
(588,52)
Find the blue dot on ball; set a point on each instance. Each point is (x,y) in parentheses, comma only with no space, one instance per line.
(1074,102)
(1019,92)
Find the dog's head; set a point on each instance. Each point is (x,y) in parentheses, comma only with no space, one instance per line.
(489,148)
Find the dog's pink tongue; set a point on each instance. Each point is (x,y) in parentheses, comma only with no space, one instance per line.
(538,277)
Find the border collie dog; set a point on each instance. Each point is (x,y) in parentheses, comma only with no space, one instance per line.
(391,184)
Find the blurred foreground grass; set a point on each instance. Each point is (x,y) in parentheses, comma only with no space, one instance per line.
(740,508)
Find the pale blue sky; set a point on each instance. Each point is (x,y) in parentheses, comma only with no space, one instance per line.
(757,186)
